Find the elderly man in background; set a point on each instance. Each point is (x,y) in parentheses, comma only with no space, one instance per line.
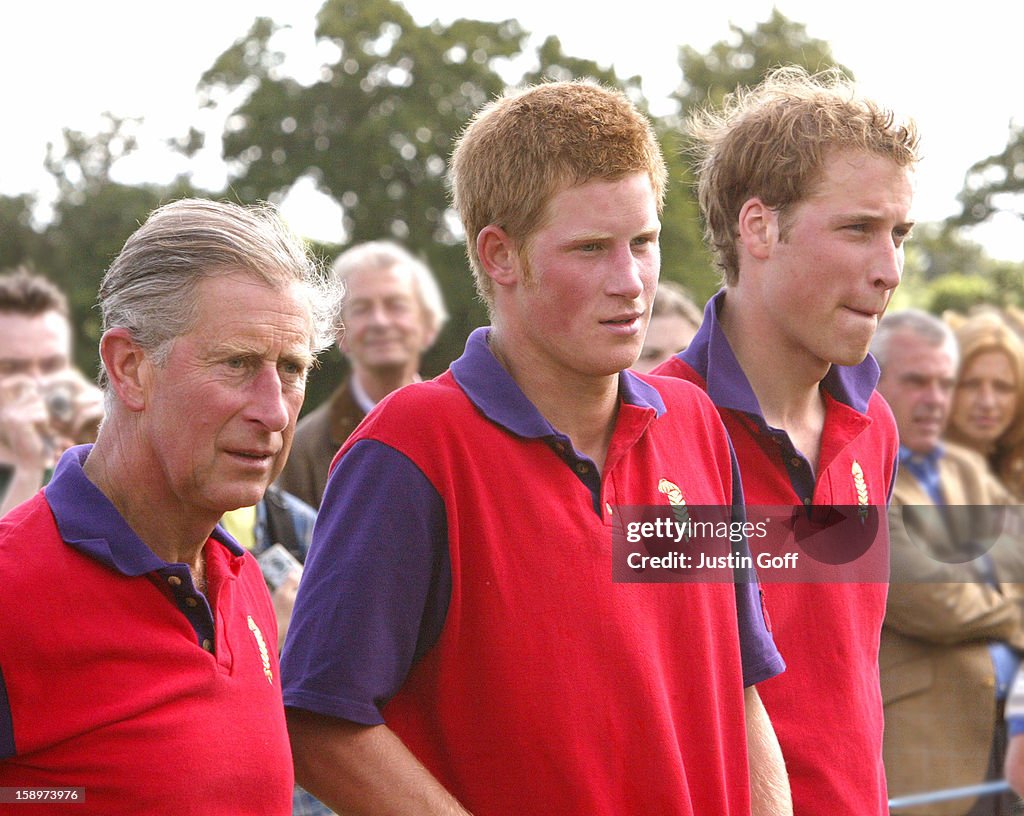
(46,405)
(953,623)
(137,640)
(391,313)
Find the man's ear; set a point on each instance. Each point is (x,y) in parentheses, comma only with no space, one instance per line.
(499,255)
(127,367)
(758,228)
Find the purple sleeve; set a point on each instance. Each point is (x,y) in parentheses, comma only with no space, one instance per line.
(6,723)
(375,589)
(760,658)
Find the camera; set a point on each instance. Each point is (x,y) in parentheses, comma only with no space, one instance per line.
(60,403)
(277,563)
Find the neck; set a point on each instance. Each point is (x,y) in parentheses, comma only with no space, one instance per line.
(378,383)
(786,382)
(583,408)
(170,531)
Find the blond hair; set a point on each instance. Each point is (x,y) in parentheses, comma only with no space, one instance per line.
(771,142)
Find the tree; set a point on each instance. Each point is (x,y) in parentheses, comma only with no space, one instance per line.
(374,130)
(20,243)
(994,184)
(92,218)
(745,58)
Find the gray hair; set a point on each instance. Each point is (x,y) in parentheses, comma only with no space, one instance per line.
(921,323)
(150,288)
(379,256)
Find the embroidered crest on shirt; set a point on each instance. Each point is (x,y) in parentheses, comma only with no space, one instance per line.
(264,654)
(675,498)
(862,489)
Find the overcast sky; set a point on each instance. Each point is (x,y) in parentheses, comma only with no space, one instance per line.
(956,72)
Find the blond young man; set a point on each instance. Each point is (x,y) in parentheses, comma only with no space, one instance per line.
(458,643)
(805,188)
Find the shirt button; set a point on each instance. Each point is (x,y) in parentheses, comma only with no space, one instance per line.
(795,462)
(174,581)
(192,602)
(807,502)
(583,468)
(207,645)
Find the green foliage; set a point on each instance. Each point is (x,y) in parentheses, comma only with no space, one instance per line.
(994,184)
(684,255)
(373,131)
(20,242)
(92,218)
(934,251)
(946,271)
(744,59)
(959,293)
(554,64)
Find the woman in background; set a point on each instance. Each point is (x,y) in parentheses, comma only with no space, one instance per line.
(988,406)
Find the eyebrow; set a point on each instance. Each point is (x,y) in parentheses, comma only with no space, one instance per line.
(235,348)
(870,217)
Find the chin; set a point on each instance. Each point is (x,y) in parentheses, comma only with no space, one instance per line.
(248,498)
(849,356)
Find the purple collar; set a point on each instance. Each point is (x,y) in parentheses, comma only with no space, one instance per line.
(492,390)
(89,522)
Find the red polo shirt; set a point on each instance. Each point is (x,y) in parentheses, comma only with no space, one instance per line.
(827,706)
(117,676)
(459,589)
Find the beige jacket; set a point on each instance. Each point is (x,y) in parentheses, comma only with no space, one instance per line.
(938,682)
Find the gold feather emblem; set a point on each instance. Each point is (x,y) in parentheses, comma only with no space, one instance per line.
(264,654)
(675,498)
(863,500)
